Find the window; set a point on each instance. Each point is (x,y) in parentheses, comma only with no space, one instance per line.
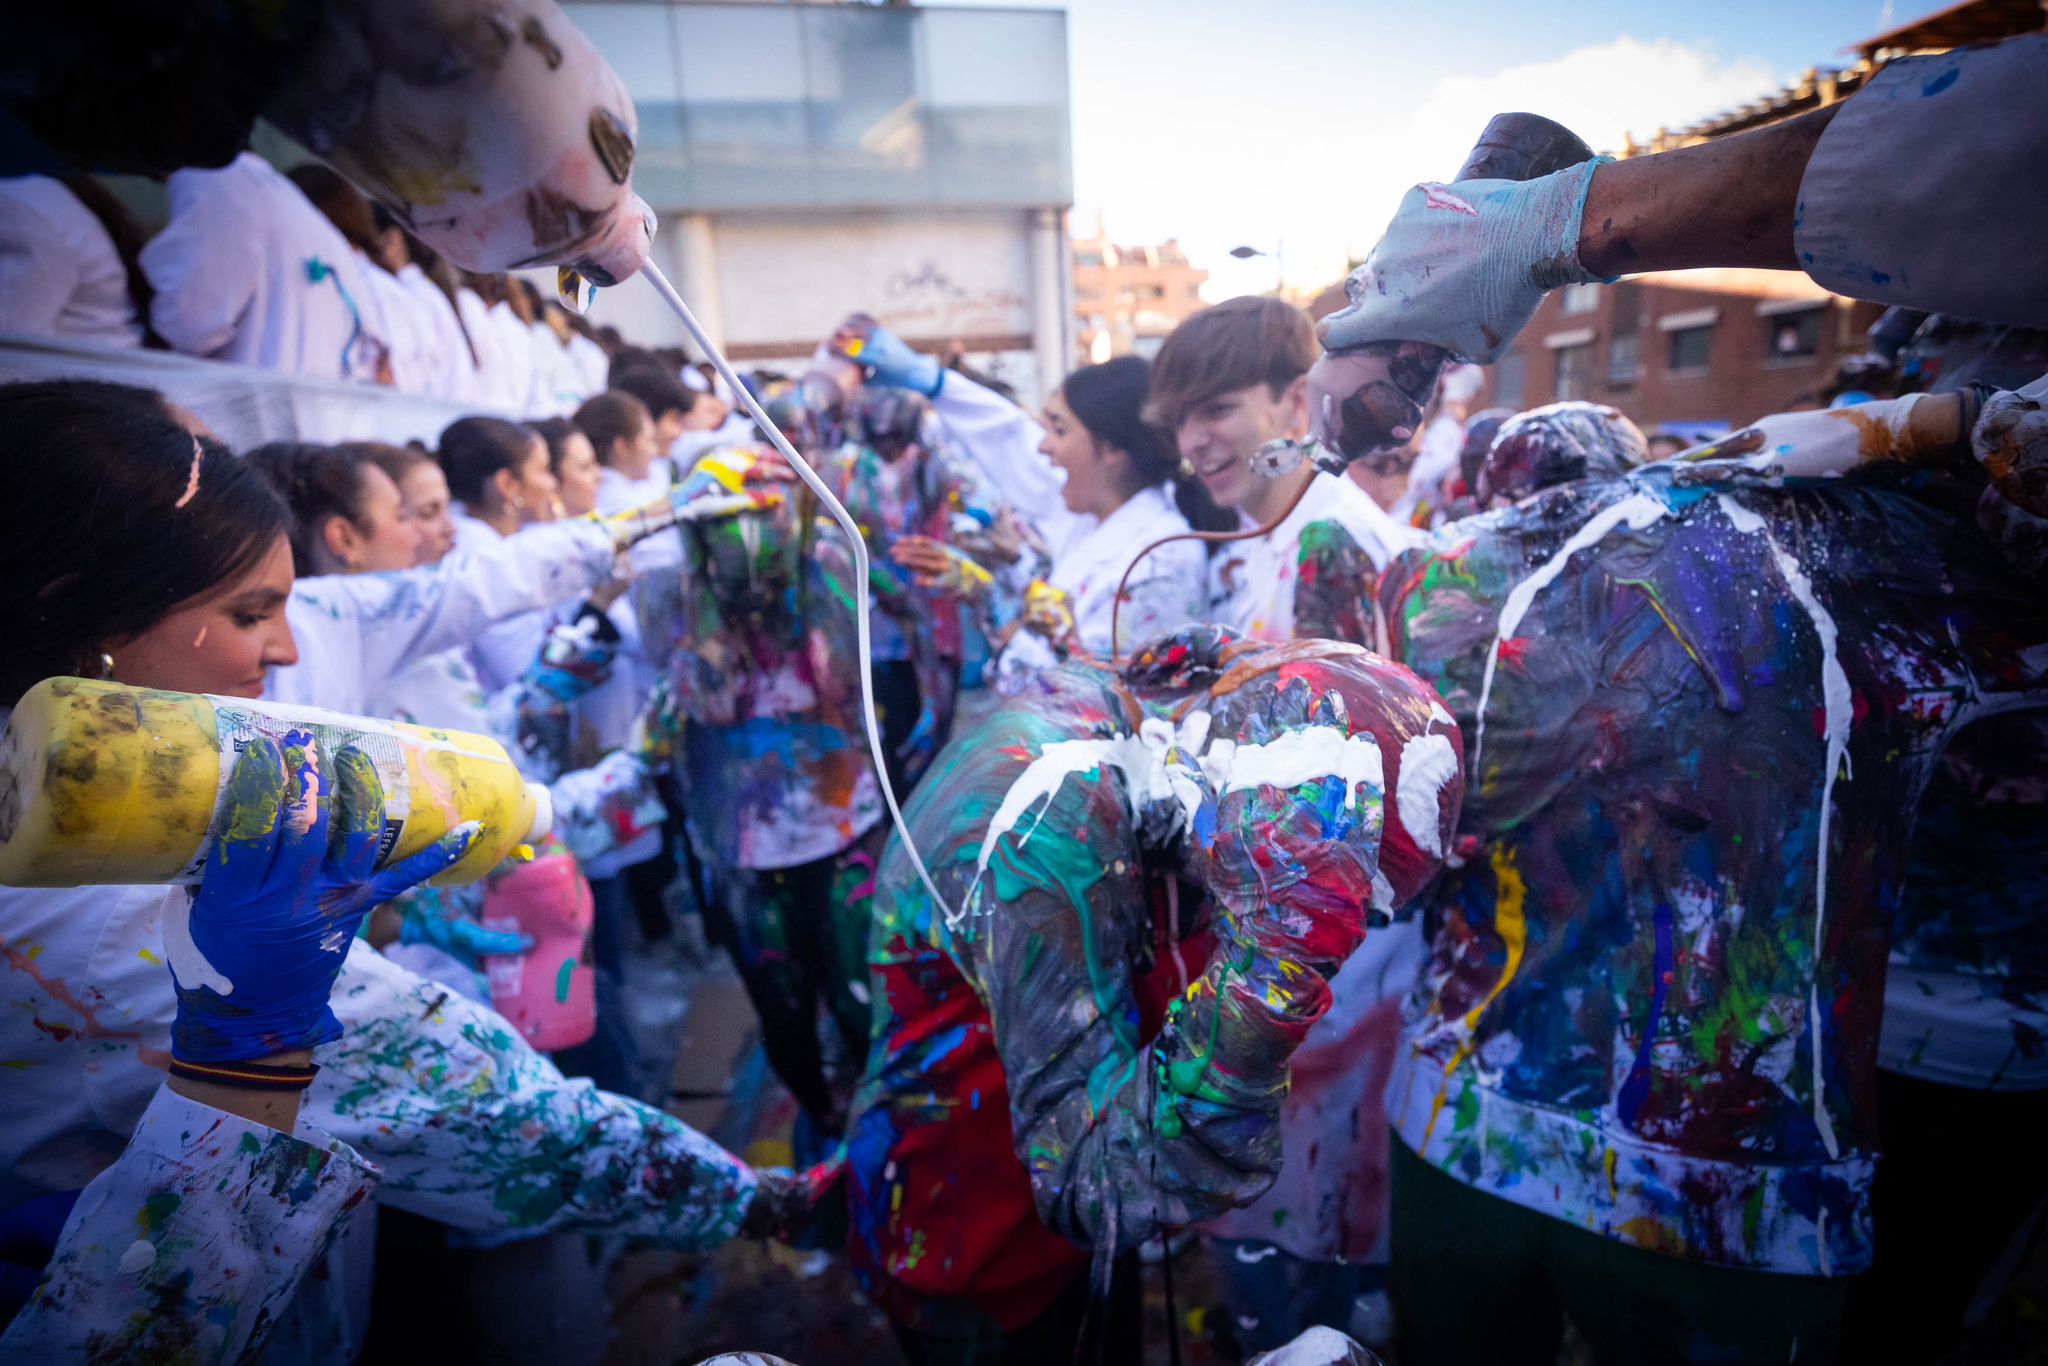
(1578,299)
(1574,365)
(1622,360)
(1510,373)
(1088,260)
(1796,336)
(1691,347)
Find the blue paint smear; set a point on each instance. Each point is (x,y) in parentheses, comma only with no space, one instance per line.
(1635,1091)
(1941,82)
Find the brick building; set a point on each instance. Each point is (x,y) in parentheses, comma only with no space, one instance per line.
(1128,298)
(1686,352)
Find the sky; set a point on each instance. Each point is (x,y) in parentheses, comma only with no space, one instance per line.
(1293,126)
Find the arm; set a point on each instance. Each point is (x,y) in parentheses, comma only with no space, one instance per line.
(474,1129)
(190,1245)
(1001,440)
(390,620)
(203,286)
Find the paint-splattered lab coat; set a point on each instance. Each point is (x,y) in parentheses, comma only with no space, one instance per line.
(1255,584)
(191,1246)
(1698,719)
(1066,1064)
(468,1124)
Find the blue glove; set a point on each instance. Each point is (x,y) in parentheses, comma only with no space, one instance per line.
(575,657)
(291,874)
(1463,266)
(427,917)
(887,358)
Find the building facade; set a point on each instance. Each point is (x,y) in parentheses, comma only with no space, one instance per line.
(1686,352)
(807,161)
(1127,299)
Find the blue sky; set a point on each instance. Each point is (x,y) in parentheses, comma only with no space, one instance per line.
(1299,122)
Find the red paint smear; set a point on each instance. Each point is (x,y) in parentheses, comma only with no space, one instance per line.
(60,993)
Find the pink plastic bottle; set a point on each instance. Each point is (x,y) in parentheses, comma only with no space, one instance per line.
(548,992)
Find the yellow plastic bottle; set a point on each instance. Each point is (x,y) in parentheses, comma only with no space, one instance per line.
(105,784)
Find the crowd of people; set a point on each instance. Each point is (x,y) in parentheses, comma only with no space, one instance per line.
(1524,877)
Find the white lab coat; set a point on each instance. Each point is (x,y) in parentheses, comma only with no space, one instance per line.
(1252,582)
(407,328)
(248,271)
(190,1244)
(524,385)
(591,363)
(454,373)
(60,275)
(1169,587)
(355,631)
(500,379)
(562,386)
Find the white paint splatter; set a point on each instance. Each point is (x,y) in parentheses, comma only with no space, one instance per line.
(1252,1256)
(1427,763)
(1296,757)
(1838,711)
(140,1256)
(1638,510)
(188,964)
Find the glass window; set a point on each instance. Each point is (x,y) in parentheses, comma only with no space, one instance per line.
(1574,366)
(1578,299)
(1796,336)
(1510,374)
(996,111)
(743,77)
(867,124)
(1622,359)
(635,39)
(1691,347)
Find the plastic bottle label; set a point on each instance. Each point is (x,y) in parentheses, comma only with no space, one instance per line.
(239,722)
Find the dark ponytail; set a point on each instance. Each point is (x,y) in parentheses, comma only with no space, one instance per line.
(319,482)
(475,448)
(1110,401)
(115,516)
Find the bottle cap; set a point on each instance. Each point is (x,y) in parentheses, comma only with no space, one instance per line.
(543,812)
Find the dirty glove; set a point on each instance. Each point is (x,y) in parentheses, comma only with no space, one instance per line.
(1463,266)
(289,878)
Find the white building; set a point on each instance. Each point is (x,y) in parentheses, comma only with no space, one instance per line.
(810,160)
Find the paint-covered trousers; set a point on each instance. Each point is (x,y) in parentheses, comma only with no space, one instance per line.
(799,937)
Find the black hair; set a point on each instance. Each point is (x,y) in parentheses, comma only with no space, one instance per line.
(475,448)
(119,516)
(1110,401)
(609,417)
(556,431)
(654,383)
(320,483)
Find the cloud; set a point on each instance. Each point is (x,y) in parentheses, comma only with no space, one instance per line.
(1328,190)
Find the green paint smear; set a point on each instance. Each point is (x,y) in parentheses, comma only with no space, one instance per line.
(562,980)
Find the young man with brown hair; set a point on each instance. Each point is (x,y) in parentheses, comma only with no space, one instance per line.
(1228,380)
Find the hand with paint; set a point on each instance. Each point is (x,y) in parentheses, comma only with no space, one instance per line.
(575,657)
(1049,612)
(886,357)
(2010,440)
(430,916)
(288,881)
(805,1209)
(942,569)
(1463,266)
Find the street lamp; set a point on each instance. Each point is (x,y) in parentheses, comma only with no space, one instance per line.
(1278,256)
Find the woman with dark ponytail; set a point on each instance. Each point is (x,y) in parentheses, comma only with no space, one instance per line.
(1123,490)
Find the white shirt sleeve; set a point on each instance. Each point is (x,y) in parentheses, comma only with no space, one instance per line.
(1926,187)
(1002,441)
(356,630)
(192,1243)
